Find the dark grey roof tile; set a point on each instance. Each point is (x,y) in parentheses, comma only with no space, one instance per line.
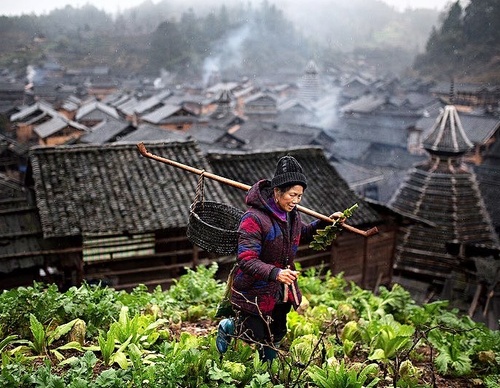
(113,189)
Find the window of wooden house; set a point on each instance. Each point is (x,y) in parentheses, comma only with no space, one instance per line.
(117,247)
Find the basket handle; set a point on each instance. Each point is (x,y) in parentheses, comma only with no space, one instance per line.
(200,190)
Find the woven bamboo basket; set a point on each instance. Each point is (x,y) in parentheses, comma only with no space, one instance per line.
(213,226)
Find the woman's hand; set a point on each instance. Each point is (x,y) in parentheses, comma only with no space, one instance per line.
(338,215)
(287,276)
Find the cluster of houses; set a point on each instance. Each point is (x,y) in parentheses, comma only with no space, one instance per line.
(421,160)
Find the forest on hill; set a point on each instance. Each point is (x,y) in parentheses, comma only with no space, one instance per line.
(255,41)
(466,46)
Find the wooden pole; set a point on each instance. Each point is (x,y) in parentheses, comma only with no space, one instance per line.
(242,186)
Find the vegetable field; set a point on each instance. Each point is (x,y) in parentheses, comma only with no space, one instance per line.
(93,336)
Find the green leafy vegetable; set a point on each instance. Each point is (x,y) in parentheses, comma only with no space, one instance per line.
(325,237)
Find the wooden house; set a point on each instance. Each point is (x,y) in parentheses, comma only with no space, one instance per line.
(58,130)
(93,112)
(70,106)
(116,216)
(354,88)
(149,104)
(12,93)
(135,108)
(294,111)
(473,286)
(13,158)
(25,256)
(260,107)
(468,95)
(173,117)
(224,114)
(376,141)
(100,88)
(30,116)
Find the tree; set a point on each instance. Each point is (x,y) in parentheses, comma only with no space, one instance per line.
(466,43)
(481,22)
(167,46)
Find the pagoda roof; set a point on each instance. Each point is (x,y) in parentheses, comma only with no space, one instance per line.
(447,134)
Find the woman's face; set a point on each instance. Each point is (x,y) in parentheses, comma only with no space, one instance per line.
(287,200)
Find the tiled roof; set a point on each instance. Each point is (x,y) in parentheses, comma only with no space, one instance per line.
(28,111)
(55,124)
(105,131)
(262,136)
(158,99)
(261,98)
(147,133)
(293,104)
(20,229)
(206,134)
(356,175)
(113,189)
(349,149)
(377,128)
(96,109)
(447,134)
(327,191)
(224,120)
(69,106)
(383,155)
(162,113)
(127,106)
(116,99)
(222,86)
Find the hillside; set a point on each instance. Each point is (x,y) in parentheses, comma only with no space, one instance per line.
(466,44)
(241,39)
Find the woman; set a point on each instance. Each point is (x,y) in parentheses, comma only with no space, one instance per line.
(265,284)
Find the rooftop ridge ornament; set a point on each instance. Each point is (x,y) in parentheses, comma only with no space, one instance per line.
(452,91)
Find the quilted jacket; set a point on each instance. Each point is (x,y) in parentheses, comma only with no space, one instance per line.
(266,243)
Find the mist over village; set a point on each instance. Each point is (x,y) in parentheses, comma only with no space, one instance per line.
(394,114)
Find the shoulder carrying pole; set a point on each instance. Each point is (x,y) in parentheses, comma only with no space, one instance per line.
(242,186)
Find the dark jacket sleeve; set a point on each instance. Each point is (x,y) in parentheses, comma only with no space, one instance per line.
(309,230)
